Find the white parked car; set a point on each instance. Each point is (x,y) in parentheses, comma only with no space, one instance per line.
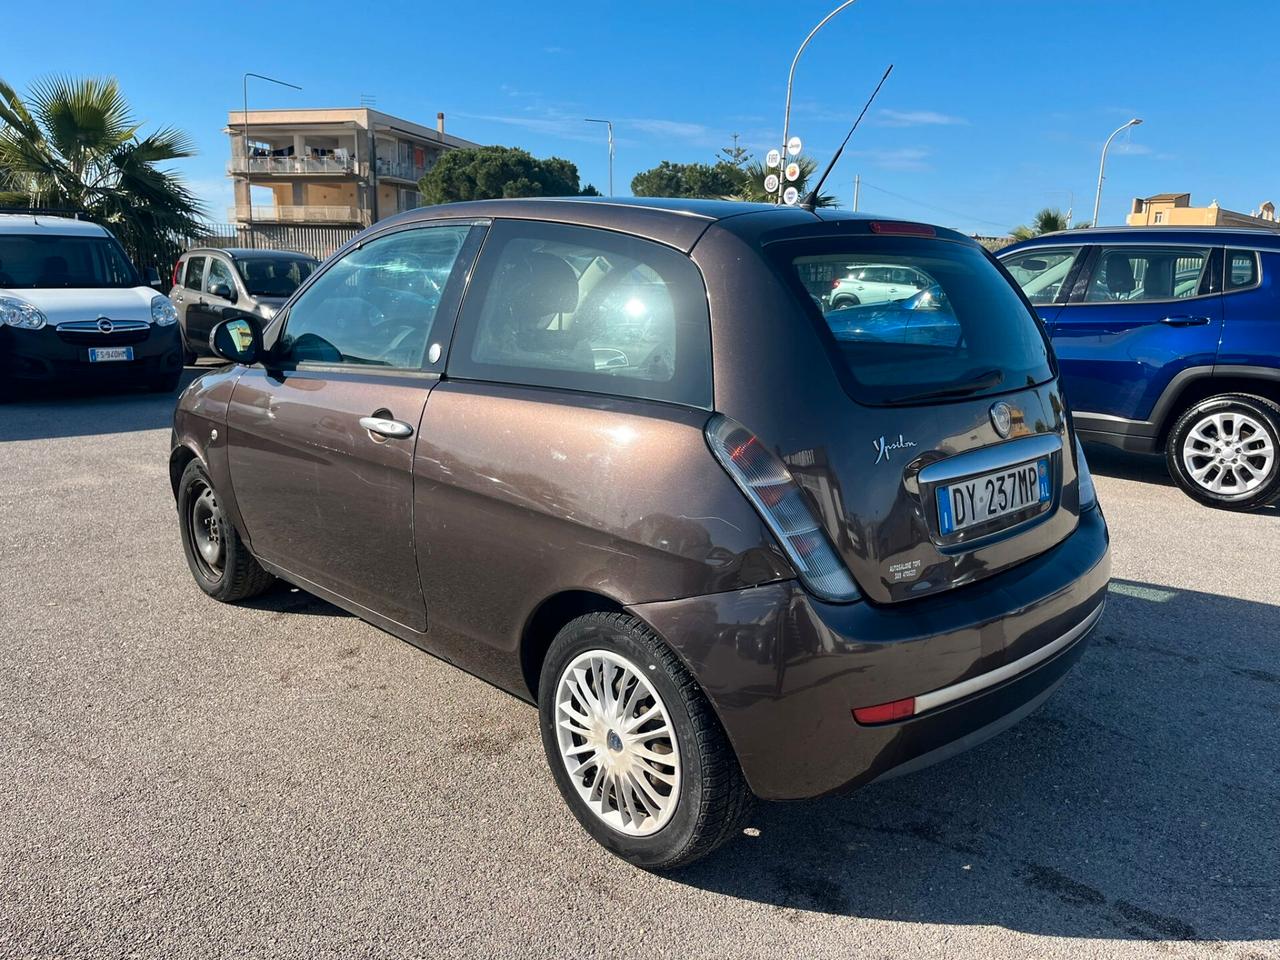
(876,283)
(73,308)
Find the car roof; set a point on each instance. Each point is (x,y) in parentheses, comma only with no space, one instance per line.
(1257,237)
(249,253)
(677,222)
(52,226)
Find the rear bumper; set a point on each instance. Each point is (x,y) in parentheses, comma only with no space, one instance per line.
(785,671)
(44,356)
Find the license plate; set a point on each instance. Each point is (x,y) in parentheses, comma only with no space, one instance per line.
(104,354)
(992,495)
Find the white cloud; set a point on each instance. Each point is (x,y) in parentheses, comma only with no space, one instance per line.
(918,118)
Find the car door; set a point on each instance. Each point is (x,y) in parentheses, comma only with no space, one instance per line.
(216,294)
(189,293)
(321,436)
(1046,275)
(1138,316)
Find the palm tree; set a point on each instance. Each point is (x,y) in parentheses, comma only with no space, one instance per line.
(753,187)
(1048,220)
(74,145)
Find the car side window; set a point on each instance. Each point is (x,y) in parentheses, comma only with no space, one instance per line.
(1242,269)
(193,277)
(1041,272)
(1147,273)
(219,273)
(586,309)
(377,305)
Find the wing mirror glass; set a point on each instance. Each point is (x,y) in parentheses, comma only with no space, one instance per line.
(238,340)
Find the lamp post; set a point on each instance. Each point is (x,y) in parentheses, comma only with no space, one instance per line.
(244,127)
(609,124)
(786,120)
(1097,200)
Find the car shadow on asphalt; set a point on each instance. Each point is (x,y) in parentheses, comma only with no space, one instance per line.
(78,410)
(1107,461)
(1139,803)
(284,598)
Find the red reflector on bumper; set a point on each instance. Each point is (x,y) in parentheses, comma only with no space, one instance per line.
(886,712)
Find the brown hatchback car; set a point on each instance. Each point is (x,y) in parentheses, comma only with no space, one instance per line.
(621,459)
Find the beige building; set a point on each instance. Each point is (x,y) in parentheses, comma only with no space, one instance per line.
(347,167)
(1175,210)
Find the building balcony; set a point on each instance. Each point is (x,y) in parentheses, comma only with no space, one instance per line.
(400,171)
(297,166)
(269,213)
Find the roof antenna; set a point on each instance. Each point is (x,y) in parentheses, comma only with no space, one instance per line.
(811,201)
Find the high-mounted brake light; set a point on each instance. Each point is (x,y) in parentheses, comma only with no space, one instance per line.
(769,485)
(886,712)
(901,228)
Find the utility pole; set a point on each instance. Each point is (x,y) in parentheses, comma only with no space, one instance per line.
(857,190)
(609,124)
(1102,166)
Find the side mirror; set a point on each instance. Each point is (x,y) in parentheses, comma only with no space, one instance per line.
(152,276)
(223,291)
(238,340)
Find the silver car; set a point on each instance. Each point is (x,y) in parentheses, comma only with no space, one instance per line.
(211,284)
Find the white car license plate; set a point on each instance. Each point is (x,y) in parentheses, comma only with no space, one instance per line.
(104,354)
(993,495)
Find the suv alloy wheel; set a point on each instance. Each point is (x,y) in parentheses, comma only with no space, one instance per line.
(1225,452)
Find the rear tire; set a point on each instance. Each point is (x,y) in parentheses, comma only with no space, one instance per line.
(848,300)
(222,565)
(659,793)
(1225,452)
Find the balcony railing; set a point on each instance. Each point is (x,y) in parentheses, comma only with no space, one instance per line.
(269,213)
(405,171)
(278,166)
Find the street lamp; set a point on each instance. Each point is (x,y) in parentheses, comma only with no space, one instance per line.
(244,126)
(1097,200)
(609,124)
(786,120)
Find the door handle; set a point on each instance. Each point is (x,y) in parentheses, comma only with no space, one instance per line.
(383,427)
(1185,321)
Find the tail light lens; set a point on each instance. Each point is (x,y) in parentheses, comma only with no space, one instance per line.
(769,485)
(1088,495)
(176,267)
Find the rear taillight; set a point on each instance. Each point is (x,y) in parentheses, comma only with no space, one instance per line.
(177,266)
(769,485)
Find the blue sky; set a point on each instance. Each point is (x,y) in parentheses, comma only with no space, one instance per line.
(995,108)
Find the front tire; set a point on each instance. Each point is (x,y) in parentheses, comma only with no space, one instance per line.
(222,565)
(1225,452)
(634,747)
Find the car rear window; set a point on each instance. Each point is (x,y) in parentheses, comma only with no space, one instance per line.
(951,327)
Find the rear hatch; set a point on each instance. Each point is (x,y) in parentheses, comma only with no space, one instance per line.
(944,455)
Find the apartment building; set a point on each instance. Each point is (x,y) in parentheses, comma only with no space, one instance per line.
(338,167)
(1175,210)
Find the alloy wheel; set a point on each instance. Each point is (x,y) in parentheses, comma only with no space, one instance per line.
(617,743)
(1229,453)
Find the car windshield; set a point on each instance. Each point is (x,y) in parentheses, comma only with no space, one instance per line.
(273,276)
(938,321)
(35,262)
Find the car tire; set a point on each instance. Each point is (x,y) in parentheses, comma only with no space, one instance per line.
(669,793)
(839,303)
(222,565)
(165,382)
(1225,451)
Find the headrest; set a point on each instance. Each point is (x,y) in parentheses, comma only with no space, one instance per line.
(1119,273)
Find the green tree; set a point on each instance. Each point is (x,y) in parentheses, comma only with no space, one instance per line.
(73,145)
(490,173)
(1048,220)
(753,185)
(667,179)
(734,154)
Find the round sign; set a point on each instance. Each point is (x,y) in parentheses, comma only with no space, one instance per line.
(772,159)
(771,183)
(793,146)
(793,171)
(791,195)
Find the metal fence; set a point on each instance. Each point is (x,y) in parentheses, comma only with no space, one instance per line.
(318,241)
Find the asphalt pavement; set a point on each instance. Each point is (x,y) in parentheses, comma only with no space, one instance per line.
(180,778)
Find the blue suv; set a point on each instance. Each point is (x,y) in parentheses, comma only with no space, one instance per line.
(1168,340)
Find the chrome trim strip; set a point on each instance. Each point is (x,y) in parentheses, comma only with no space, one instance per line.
(993,457)
(91,326)
(965,688)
